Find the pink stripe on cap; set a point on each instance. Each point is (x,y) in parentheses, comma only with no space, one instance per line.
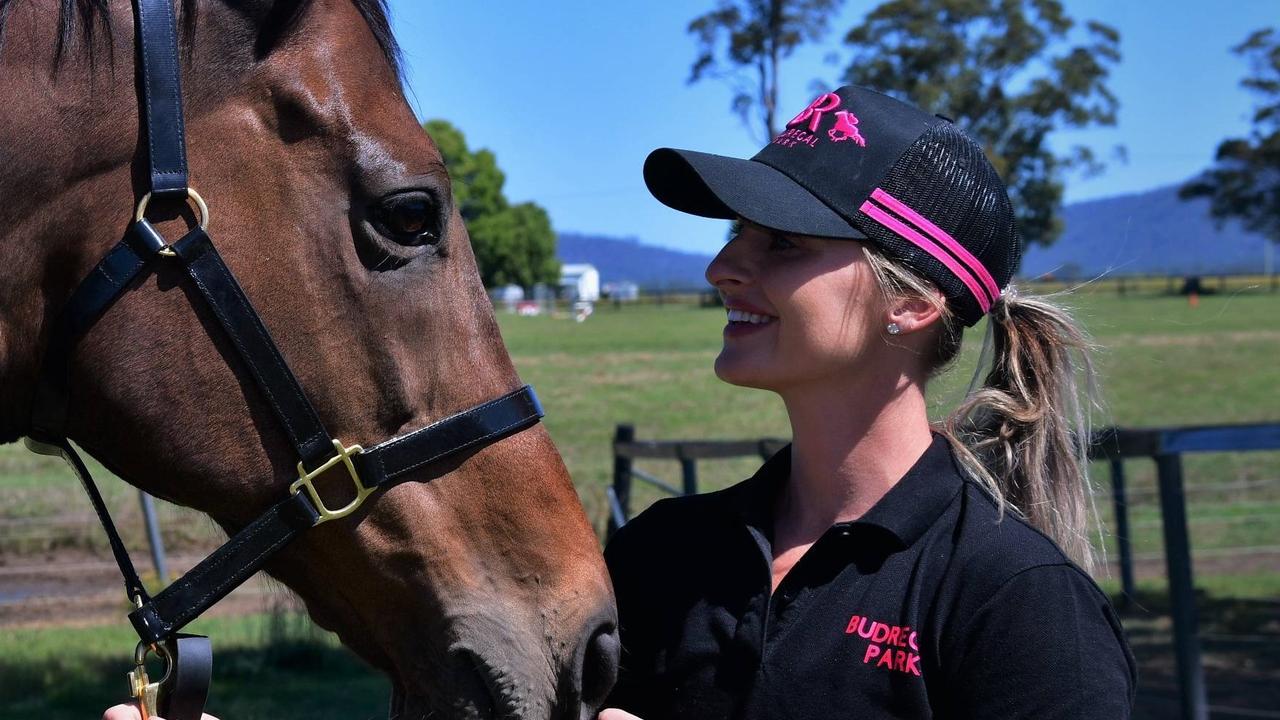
(941,236)
(903,230)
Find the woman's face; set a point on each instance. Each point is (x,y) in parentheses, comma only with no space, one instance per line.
(801,310)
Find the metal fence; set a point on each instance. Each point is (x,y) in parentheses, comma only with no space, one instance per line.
(1165,447)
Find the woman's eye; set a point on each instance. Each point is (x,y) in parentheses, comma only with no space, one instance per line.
(780,242)
(409,218)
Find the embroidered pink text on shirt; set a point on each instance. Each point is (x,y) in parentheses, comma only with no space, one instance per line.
(889,646)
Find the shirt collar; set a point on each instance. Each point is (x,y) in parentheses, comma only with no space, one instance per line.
(906,511)
(753,500)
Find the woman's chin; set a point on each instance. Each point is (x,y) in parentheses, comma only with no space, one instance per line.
(735,369)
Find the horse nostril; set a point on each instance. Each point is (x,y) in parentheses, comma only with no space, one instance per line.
(472,682)
(599,667)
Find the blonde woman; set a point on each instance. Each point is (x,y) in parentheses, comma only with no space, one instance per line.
(881,566)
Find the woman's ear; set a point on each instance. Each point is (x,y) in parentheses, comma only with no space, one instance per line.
(912,314)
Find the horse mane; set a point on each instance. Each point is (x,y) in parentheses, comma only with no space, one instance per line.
(87,17)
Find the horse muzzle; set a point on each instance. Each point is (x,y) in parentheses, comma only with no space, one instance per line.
(510,673)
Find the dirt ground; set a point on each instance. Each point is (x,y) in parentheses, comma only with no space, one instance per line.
(76,590)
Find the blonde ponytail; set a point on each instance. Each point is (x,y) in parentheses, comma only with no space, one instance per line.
(1022,432)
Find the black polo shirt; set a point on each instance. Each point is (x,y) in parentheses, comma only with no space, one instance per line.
(930,605)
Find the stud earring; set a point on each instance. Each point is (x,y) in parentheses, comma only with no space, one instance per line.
(894,328)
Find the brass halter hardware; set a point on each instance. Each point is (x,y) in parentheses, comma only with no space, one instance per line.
(147,693)
(201,207)
(305,478)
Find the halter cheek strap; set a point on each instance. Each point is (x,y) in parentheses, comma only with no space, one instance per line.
(429,450)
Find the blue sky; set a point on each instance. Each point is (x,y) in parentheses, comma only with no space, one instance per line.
(573,94)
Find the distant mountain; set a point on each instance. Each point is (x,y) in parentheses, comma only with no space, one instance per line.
(620,259)
(1150,232)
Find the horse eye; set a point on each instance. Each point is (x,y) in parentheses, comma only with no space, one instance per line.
(408,218)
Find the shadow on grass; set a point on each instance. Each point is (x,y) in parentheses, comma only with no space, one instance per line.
(283,679)
(1239,646)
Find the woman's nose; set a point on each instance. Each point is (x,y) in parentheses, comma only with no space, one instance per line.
(728,267)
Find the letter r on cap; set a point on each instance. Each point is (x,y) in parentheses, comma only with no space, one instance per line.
(825,103)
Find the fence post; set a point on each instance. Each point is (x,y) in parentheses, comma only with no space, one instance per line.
(153,537)
(689,475)
(1177,554)
(1122,532)
(621,475)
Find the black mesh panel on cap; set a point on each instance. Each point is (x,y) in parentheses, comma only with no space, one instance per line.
(945,177)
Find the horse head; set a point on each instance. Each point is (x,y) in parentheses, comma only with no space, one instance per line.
(480,593)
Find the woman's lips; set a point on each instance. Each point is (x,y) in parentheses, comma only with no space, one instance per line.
(744,321)
(740,329)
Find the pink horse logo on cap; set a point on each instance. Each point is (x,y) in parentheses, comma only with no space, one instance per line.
(846,128)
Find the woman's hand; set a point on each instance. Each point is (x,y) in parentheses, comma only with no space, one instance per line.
(130,712)
(606,714)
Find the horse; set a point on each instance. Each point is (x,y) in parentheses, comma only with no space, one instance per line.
(481,593)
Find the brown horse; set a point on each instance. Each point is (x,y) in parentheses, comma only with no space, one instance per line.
(481,593)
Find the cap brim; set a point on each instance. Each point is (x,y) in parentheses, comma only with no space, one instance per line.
(716,186)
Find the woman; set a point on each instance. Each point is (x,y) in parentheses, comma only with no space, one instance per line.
(879,566)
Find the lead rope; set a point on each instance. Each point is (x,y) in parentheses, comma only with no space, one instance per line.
(133,587)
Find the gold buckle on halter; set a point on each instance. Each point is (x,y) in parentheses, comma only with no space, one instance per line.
(305,478)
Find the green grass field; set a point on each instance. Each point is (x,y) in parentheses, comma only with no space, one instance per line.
(1163,363)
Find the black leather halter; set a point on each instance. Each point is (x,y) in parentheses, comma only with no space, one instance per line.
(158,618)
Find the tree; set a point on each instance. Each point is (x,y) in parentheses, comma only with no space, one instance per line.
(512,243)
(1008,73)
(1244,181)
(477,181)
(744,41)
(515,245)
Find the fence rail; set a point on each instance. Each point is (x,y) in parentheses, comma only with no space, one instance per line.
(1164,446)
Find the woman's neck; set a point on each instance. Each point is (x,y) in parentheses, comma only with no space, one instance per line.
(849,446)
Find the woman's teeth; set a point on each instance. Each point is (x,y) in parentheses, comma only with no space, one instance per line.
(746,317)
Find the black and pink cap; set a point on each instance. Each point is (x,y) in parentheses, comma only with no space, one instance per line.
(860,165)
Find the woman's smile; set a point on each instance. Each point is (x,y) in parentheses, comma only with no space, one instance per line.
(746,320)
